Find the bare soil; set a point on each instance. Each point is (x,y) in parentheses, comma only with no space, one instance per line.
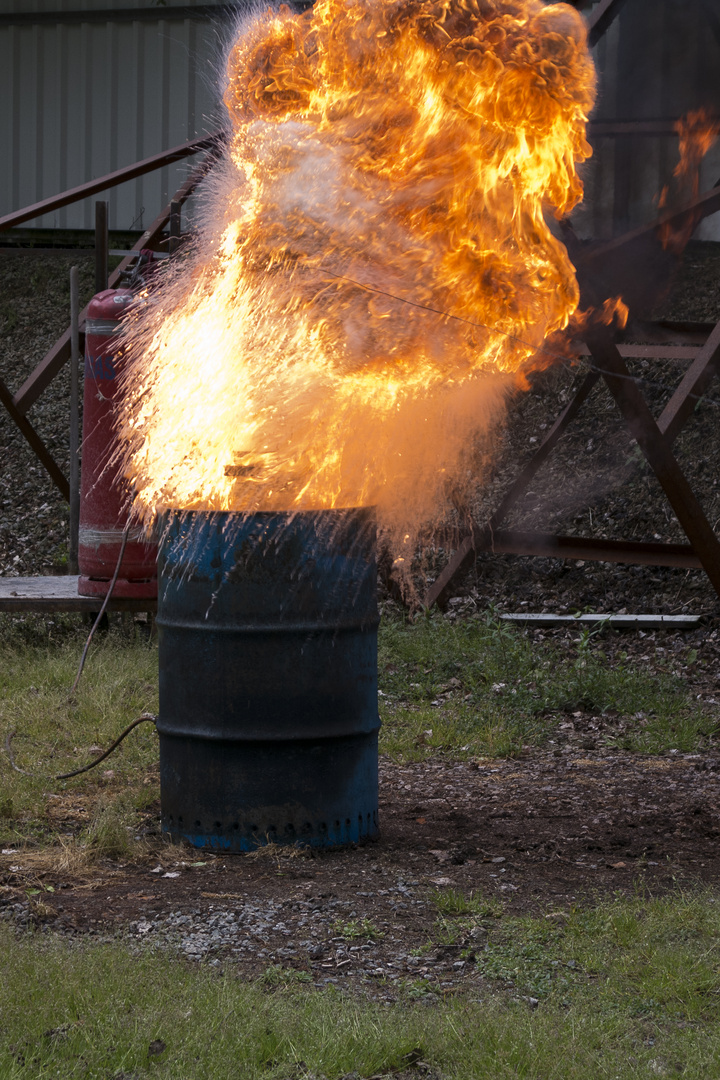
(535,834)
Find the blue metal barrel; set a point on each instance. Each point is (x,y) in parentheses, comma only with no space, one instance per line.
(267,632)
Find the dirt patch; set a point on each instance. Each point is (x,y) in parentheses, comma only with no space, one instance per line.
(533,834)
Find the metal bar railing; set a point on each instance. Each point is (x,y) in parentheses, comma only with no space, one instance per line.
(130,172)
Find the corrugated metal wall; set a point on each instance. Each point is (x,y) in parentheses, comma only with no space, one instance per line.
(80,97)
(83,97)
(659,60)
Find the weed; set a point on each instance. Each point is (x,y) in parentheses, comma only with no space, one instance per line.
(9,316)
(111,829)
(357,928)
(448,932)
(276,977)
(453,902)
(272,850)
(419,989)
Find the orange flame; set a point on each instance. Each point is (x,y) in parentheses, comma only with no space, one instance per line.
(377,267)
(697,132)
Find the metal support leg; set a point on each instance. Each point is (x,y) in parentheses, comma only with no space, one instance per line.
(656,449)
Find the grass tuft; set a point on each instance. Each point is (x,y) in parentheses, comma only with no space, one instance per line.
(453,902)
(356,929)
(111,828)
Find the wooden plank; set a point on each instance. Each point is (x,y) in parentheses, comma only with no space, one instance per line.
(547,621)
(59,594)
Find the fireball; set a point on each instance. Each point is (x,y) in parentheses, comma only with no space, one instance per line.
(378,263)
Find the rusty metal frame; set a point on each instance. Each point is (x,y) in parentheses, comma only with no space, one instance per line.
(35,442)
(103,183)
(654,438)
(601,19)
(51,364)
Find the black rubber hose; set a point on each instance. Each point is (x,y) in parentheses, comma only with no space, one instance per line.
(146,718)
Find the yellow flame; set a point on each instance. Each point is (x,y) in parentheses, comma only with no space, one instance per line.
(378,266)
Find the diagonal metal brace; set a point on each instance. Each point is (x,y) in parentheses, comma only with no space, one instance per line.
(698,377)
(478,538)
(35,442)
(657,449)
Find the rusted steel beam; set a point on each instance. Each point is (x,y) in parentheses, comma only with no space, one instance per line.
(601,19)
(656,449)
(652,352)
(36,444)
(618,128)
(519,486)
(119,14)
(59,354)
(463,558)
(696,381)
(700,207)
(92,187)
(547,545)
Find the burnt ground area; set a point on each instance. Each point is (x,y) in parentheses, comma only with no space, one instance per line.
(530,835)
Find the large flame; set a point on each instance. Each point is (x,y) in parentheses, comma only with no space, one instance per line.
(380,268)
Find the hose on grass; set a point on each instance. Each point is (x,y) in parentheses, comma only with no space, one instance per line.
(145,718)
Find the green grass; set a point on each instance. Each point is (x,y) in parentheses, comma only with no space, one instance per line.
(494,692)
(54,734)
(453,902)
(358,929)
(629,988)
(480,687)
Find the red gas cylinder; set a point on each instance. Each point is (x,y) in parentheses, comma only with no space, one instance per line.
(103,517)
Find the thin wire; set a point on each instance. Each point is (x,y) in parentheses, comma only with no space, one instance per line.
(437,311)
(105,602)
(505,333)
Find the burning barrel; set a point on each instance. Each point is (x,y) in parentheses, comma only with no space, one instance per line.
(268,725)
